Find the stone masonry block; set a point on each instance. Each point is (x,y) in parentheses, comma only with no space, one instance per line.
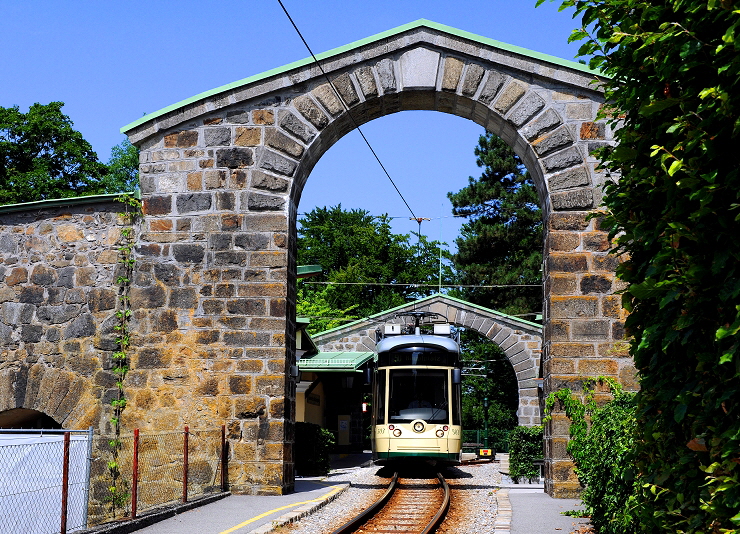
(245,136)
(419,68)
(293,125)
(311,111)
(562,241)
(510,96)
(527,108)
(326,96)
(473,77)
(549,120)
(593,130)
(262,202)
(563,160)
(274,162)
(573,307)
(343,84)
(234,157)
(268,182)
(386,75)
(191,202)
(577,199)
(283,143)
(596,283)
(492,86)
(567,263)
(568,221)
(596,241)
(593,329)
(453,68)
(553,141)
(263,117)
(217,136)
(575,177)
(367,81)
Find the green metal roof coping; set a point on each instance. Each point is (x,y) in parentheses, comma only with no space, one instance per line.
(308,270)
(362,42)
(421,301)
(335,361)
(57,202)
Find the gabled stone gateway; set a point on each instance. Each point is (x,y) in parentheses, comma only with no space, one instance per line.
(222,174)
(214,288)
(520,340)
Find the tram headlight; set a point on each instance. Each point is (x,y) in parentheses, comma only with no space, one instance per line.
(397,432)
(440,433)
(418,426)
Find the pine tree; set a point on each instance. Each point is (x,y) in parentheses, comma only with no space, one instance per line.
(502,241)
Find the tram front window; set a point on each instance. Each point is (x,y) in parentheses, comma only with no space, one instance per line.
(418,394)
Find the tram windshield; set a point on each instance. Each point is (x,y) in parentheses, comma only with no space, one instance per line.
(418,394)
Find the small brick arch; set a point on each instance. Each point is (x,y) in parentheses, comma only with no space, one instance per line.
(520,340)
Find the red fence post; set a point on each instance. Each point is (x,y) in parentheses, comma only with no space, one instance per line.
(185,466)
(223,458)
(135,475)
(65,483)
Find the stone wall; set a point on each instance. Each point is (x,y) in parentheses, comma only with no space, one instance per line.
(57,305)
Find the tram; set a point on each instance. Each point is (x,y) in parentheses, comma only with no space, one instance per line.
(416,381)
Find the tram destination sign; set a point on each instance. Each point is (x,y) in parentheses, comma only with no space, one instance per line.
(390,359)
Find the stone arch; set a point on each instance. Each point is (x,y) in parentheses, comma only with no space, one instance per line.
(221,177)
(60,394)
(520,340)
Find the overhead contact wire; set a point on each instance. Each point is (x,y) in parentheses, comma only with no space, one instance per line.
(346,108)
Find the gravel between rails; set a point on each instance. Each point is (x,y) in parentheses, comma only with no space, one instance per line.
(473,508)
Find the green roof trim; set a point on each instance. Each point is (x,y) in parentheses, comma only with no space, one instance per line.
(421,301)
(308,270)
(57,202)
(357,44)
(335,362)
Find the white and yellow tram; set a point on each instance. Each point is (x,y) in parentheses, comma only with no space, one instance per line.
(416,392)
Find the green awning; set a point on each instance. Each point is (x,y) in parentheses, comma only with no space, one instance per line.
(334,362)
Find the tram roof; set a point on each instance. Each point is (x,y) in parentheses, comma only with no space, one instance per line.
(335,362)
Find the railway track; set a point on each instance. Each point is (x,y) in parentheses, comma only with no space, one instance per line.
(414,505)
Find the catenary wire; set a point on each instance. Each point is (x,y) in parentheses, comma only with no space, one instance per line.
(419,285)
(354,122)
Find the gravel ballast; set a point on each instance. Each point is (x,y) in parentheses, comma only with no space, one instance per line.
(473,507)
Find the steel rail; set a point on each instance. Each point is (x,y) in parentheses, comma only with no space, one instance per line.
(442,512)
(363,517)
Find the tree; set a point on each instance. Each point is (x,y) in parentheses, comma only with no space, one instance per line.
(493,379)
(502,241)
(122,175)
(362,258)
(42,156)
(313,304)
(672,73)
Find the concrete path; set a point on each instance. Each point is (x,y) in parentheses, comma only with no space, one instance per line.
(534,512)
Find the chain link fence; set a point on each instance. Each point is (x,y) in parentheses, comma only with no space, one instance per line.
(155,469)
(39,495)
(44,480)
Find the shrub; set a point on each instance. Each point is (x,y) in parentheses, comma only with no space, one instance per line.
(525,446)
(311,450)
(602,446)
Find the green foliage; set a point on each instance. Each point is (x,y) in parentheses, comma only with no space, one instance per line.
(311,450)
(674,69)
(43,157)
(122,175)
(525,446)
(357,251)
(499,386)
(502,241)
(602,445)
(323,316)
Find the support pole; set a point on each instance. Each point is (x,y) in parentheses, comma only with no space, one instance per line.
(185,466)
(135,475)
(65,483)
(223,458)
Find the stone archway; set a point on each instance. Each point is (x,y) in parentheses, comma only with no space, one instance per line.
(61,394)
(222,175)
(520,340)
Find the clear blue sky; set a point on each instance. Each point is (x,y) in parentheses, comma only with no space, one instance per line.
(112,62)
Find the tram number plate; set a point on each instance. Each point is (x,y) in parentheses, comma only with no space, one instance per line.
(485,452)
